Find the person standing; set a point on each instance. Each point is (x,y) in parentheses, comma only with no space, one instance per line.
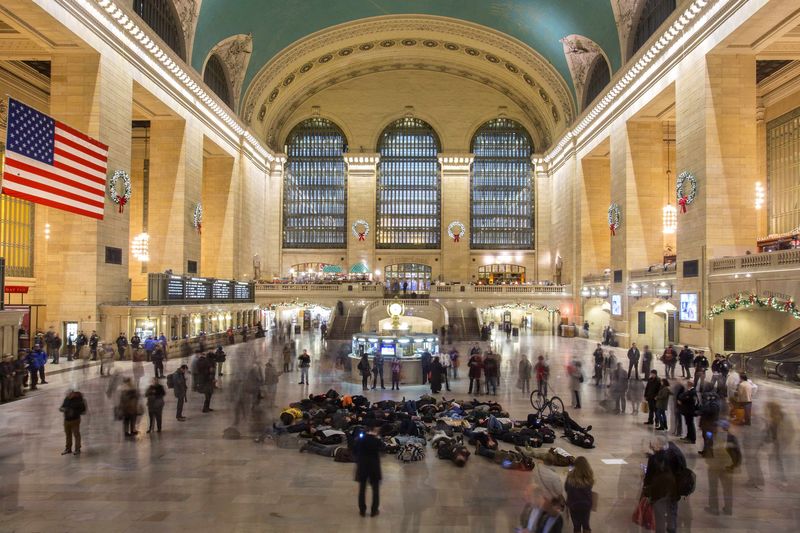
(94,340)
(219,358)
(436,375)
(578,487)
(490,373)
(709,419)
(366,450)
(397,368)
(669,358)
(635,394)
(619,386)
(455,360)
(475,365)
(149,346)
(205,380)
(525,374)
(180,389)
(287,357)
(32,362)
(744,393)
(444,359)
(685,359)
(122,344)
(660,483)
(129,407)
(377,370)
(647,361)
(305,362)
(700,367)
(55,348)
(425,362)
(633,360)
(542,370)
(155,404)
(650,393)
(73,407)
(687,406)
(365,370)
(576,379)
(136,343)
(80,342)
(662,402)
(157,357)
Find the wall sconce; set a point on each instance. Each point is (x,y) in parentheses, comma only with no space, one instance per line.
(140,247)
(759,196)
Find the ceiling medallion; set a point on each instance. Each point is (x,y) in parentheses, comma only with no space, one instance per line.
(472,52)
(387,44)
(451,46)
(528,80)
(273,95)
(366,47)
(492,59)
(430,44)
(305,68)
(512,68)
(345,52)
(408,42)
(289,79)
(325,58)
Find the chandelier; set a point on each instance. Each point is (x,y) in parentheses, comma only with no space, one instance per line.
(669,213)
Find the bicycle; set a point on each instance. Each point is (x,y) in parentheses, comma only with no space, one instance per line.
(541,403)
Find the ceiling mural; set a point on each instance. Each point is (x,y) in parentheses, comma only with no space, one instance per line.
(277,24)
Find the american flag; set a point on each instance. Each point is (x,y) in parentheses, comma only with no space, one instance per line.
(52,164)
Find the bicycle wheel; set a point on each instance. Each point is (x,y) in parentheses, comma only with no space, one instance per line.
(556,406)
(538,401)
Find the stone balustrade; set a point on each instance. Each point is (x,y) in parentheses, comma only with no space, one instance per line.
(756,262)
(438,291)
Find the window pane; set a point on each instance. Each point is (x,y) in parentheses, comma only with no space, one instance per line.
(214,76)
(162,19)
(501,192)
(315,187)
(409,188)
(16,236)
(783,173)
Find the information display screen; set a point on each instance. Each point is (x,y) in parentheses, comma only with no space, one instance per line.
(241,291)
(387,350)
(165,288)
(196,289)
(616,304)
(175,289)
(689,307)
(221,290)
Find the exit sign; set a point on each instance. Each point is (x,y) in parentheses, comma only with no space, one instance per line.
(12,289)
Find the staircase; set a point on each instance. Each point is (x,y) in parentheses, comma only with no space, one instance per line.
(465,325)
(346,325)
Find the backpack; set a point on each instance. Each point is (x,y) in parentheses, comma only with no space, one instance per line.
(411,451)
(685,480)
(170,381)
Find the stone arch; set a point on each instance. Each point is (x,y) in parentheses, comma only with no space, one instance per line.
(234,53)
(582,56)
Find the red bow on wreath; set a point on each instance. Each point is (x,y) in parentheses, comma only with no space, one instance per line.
(456,237)
(683,202)
(122,202)
(361,235)
(613,228)
(199,228)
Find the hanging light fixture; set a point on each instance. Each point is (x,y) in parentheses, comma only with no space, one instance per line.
(759,196)
(140,247)
(669,212)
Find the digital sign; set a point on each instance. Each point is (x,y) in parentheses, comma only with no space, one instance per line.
(689,307)
(172,289)
(616,305)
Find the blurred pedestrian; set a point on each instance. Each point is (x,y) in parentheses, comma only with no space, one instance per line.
(543,513)
(524,371)
(155,404)
(745,392)
(128,408)
(578,487)
(73,407)
(576,379)
(180,389)
(271,379)
(367,453)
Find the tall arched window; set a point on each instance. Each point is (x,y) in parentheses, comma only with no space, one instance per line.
(409,188)
(598,78)
(501,191)
(160,15)
(315,186)
(217,80)
(654,13)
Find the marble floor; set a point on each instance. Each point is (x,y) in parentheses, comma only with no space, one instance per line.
(188,478)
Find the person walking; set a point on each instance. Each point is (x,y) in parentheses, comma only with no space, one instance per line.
(660,486)
(455,359)
(94,340)
(647,361)
(669,358)
(475,365)
(128,407)
(524,372)
(366,450)
(271,379)
(33,361)
(491,371)
(377,370)
(397,368)
(444,359)
(598,364)
(744,395)
(287,357)
(662,402)
(542,370)
(578,487)
(576,379)
(122,344)
(677,389)
(709,419)
(155,404)
(619,386)
(106,360)
(73,407)
(687,406)
(365,370)
(304,363)
(633,360)
(157,357)
(650,393)
(634,394)
(80,342)
(180,388)
(685,359)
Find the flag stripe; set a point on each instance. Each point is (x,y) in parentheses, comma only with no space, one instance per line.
(79,149)
(85,165)
(52,180)
(72,170)
(48,186)
(98,186)
(81,136)
(36,196)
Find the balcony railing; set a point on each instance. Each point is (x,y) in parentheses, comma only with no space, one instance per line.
(377,291)
(756,262)
(597,278)
(319,289)
(654,272)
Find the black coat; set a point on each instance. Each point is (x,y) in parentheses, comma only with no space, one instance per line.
(436,375)
(652,388)
(367,452)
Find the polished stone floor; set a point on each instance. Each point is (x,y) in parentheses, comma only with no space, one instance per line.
(189,478)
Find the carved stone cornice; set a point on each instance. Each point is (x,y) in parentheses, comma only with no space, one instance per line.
(449,36)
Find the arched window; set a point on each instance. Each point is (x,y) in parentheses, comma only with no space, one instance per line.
(501,191)
(217,80)
(406,278)
(160,15)
(315,186)
(409,188)
(654,13)
(599,76)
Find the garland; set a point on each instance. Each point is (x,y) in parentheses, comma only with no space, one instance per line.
(456,236)
(529,307)
(360,235)
(197,217)
(745,301)
(112,189)
(685,197)
(614,218)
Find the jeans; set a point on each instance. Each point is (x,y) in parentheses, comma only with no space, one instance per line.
(158,368)
(661,418)
(179,411)
(375,374)
(686,371)
(155,418)
(526,385)
(491,383)
(633,365)
(72,429)
(395,381)
(666,514)
(304,374)
(691,435)
(580,519)
(651,411)
(477,382)
(362,495)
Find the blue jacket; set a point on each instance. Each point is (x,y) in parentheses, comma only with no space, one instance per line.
(36,360)
(150,344)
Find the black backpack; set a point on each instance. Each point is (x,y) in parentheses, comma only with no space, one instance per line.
(685,480)
(170,381)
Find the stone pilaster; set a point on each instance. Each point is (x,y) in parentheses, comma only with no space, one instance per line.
(221,224)
(455,207)
(542,217)
(362,180)
(271,264)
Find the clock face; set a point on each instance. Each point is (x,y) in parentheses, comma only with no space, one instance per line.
(395,309)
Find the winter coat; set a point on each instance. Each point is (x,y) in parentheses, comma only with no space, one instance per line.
(366,451)
(179,384)
(73,406)
(155,397)
(475,366)
(490,368)
(436,375)
(363,367)
(575,378)
(662,398)
(652,388)
(525,368)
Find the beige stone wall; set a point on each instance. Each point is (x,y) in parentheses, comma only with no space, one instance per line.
(755,328)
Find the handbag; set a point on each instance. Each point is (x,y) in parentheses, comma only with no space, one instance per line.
(595,499)
(645,407)
(644,516)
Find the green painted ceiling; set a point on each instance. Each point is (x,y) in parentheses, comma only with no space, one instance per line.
(276,24)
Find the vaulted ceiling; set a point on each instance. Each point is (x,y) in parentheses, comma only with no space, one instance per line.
(276,24)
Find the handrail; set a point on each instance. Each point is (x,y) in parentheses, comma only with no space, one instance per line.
(754,262)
